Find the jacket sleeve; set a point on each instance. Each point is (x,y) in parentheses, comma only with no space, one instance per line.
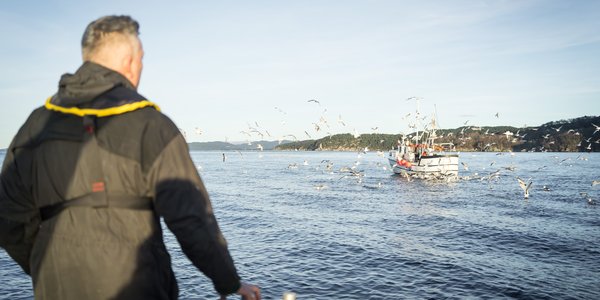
(19,218)
(182,201)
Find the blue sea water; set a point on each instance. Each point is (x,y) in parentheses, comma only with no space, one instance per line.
(294,226)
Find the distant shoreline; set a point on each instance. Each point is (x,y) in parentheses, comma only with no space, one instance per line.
(575,135)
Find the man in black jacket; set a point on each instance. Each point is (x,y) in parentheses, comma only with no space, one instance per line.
(88,177)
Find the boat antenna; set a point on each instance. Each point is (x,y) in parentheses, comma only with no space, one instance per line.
(435,117)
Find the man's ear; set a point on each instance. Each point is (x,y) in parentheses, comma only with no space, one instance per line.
(127,67)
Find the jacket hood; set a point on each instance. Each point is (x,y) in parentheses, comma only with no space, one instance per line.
(88,82)
(97,91)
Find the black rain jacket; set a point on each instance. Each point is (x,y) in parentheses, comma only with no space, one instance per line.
(84,185)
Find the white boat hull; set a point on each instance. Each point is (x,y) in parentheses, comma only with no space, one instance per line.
(428,166)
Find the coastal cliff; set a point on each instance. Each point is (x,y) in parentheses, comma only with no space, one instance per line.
(574,135)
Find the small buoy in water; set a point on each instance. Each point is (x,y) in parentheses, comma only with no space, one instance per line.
(289,296)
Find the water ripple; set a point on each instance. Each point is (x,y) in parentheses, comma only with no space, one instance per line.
(385,238)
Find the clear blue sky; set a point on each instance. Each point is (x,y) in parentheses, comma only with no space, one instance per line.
(222,65)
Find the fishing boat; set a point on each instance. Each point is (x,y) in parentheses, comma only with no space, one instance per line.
(419,156)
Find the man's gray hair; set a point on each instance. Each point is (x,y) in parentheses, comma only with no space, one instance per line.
(100,28)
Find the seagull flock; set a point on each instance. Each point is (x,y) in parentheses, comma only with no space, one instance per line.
(527,185)
(495,174)
(322,125)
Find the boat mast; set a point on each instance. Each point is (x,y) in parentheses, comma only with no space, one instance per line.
(433,134)
(417,115)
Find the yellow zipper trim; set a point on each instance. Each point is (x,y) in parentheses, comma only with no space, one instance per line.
(104,112)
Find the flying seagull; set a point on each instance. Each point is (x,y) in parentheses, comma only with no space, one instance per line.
(597,128)
(281,111)
(524,186)
(341,121)
(317,127)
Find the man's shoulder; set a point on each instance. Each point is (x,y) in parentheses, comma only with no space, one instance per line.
(154,118)
(32,127)
(157,127)
(159,131)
